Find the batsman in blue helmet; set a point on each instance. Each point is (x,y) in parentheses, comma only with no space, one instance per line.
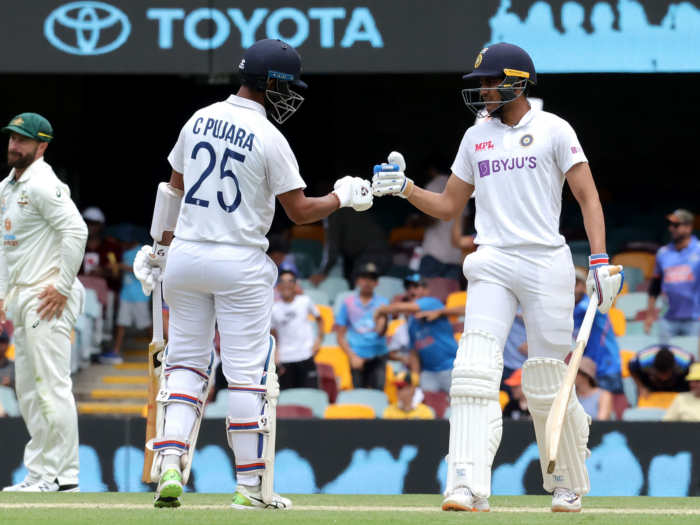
(515,161)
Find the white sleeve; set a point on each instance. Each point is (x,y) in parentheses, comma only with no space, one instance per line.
(567,149)
(401,339)
(273,319)
(177,154)
(312,308)
(282,167)
(462,166)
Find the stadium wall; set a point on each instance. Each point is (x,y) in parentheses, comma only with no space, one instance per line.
(382,457)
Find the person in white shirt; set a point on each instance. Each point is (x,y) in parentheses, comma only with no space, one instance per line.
(296,342)
(517,161)
(43,246)
(228,165)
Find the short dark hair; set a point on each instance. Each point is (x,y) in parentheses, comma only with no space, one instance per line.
(287,272)
(664,360)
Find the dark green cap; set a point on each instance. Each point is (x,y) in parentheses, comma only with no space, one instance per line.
(30,125)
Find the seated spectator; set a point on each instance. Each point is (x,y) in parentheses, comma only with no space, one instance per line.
(516,408)
(686,406)
(602,346)
(408,403)
(359,336)
(296,343)
(278,251)
(7,367)
(432,340)
(596,402)
(661,369)
(134,305)
(101,255)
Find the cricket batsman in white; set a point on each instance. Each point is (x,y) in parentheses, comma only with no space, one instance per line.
(517,161)
(228,165)
(43,245)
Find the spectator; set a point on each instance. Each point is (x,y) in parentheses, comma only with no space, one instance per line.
(134,305)
(677,274)
(7,367)
(278,251)
(515,350)
(686,406)
(661,369)
(357,239)
(516,408)
(102,255)
(602,346)
(596,401)
(432,340)
(359,336)
(296,343)
(408,404)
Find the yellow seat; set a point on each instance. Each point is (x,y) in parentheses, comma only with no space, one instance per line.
(394,325)
(458,336)
(313,232)
(625,357)
(503,399)
(456,299)
(349,412)
(334,356)
(327,317)
(617,319)
(389,386)
(657,400)
(642,260)
(10,354)
(406,233)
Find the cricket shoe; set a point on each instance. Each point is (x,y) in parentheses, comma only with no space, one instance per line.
(22,486)
(462,499)
(565,500)
(72,487)
(250,498)
(169,489)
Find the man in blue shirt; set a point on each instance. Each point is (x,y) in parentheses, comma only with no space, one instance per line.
(677,274)
(359,336)
(432,340)
(602,346)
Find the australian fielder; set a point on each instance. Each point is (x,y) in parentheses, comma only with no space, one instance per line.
(43,246)
(517,161)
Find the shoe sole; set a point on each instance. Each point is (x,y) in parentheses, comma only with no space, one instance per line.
(76,489)
(165,503)
(450,505)
(171,490)
(564,509)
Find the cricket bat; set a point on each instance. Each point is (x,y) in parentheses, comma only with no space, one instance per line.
(557,413)
(155,356)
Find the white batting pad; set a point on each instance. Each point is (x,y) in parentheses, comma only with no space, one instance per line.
(541,380)
(475,414)
(166,210)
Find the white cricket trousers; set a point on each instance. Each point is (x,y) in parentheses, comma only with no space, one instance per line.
(231,285)
(43,384)
(541,279)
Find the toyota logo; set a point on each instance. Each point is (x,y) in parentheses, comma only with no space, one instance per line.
(87,28)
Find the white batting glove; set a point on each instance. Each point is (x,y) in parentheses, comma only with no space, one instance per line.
(601,283)
(389,179)
(354,192)
(147,259)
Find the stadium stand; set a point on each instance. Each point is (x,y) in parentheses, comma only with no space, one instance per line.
(315,399)
(349,412)
(377,399)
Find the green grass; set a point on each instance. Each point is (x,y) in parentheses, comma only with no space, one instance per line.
(125,509)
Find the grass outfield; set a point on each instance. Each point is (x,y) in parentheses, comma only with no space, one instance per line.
(125,509)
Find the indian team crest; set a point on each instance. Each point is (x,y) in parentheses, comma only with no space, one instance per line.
(526,140)
(479,58)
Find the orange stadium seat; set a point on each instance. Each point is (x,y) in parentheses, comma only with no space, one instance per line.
(327,316)
(334,356)
(394,325)
(503,398)
(625,357)
(389,386)
(617,319)
(349,412)
(456,299)
(657,400)
(312,232)
(642,260)
(406,233)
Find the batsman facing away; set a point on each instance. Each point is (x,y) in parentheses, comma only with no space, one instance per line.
(516,162)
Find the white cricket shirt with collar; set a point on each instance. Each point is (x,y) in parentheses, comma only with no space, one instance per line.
(234,163)
(518,173)
(43,231)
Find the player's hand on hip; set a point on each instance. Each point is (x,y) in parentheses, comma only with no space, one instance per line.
(604,281)
(353,192)
(52,303)
(390,179)
(149,266)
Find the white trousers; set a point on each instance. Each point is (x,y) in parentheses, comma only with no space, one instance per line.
(43,384)
(540,279)
(231,285)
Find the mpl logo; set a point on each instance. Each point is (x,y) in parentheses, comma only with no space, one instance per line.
(87,28)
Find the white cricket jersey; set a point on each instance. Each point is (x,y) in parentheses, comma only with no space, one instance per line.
(295,336)
(43,232)
(518,175)
(234,163)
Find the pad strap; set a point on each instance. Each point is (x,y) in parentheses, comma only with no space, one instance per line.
(259,424)
(248,389)
(255,466)
(159,444)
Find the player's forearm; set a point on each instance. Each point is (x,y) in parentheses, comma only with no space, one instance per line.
(304,210)
(72,252)
(594,223)
(436,205)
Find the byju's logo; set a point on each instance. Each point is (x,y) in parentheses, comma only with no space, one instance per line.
(87,28)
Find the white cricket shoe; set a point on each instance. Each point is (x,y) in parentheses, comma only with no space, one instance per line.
(565,500)
(250,498)
(22,486)
(462,499)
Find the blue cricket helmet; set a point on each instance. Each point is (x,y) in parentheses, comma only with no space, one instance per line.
(506,60)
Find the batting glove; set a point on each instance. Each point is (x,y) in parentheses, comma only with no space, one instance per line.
(353,192)
(148,259)
(390,179)
(601,284)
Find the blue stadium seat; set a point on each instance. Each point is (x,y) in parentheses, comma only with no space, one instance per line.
(629,387)
(631,303)
(334,286)
(318,296)
(689,343)
(217,409)
(9,401)
(388,287)
(643,414)
(314,398)
(364,396)
(636,342)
